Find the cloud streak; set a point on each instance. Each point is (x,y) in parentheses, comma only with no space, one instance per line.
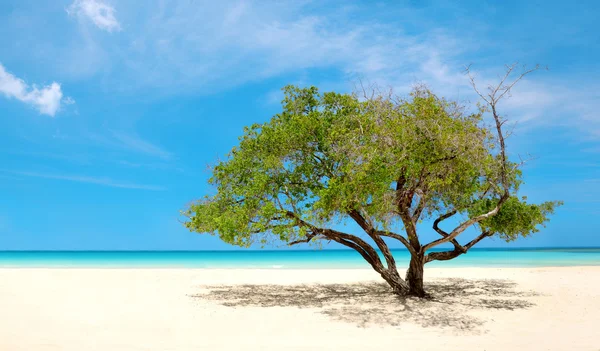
(100,13)
(104,181)
(137,144)
(46,100)
(128,142)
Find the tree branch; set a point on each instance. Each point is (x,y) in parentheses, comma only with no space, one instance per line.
(422,191)
(466,224)
(496,94)
(478,239)
(308,238)
(403,211)
(411,230)
(506,89)
(441,218)
(492,99)
(448,255)
(368,228)
(457,245)
(352,241)
(397,237)
(420,206)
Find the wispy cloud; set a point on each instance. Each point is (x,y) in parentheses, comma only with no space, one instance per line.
(205,46)
(166,47)
(552,102)
(135,143)
(150,165)
(104,181)
(78,158)
(99,12)
(249,41)
(575,163)
(87,159)
(46,99)
(128,141)
(539,99)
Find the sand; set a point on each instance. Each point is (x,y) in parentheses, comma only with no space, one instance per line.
(194,309)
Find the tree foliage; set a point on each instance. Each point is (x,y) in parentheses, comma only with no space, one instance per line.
(380,161)
(516,217)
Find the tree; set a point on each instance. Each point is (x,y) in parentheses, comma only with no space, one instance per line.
(380,161)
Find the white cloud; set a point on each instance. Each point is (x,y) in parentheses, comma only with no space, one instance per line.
(100,13)
(86,179)
(46,99)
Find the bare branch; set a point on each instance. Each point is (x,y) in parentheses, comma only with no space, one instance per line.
(368,228)
(308,238)
(448,255)
(472,81)
(463,226)
(523,161)
(497,92)
(478,239)
(494,90)
(352,241)
(398,237)
(441,218)
(492,100)
(403,203)
(419,209)
(457,245)
(506,89)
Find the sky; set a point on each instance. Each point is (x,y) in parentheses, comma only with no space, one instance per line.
(111,113)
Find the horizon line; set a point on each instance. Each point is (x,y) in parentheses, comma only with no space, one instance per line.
(316,249)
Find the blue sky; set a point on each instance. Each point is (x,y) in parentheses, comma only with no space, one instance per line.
(111,112)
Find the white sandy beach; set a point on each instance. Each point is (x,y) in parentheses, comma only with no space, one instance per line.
(195,309)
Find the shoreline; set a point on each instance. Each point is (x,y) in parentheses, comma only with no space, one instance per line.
(312,259)
(400,268)
(521,248)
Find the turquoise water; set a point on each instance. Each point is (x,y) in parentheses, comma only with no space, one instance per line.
(317,259)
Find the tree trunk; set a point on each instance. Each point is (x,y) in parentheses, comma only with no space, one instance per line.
(399,287)
(414,276)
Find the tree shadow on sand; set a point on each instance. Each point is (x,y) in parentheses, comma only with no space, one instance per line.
(366,304)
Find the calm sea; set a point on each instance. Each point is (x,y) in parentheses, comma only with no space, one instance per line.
(313,259)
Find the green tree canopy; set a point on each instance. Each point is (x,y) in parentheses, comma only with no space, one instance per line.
(381,162)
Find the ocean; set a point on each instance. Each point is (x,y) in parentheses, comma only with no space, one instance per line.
(271,259)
